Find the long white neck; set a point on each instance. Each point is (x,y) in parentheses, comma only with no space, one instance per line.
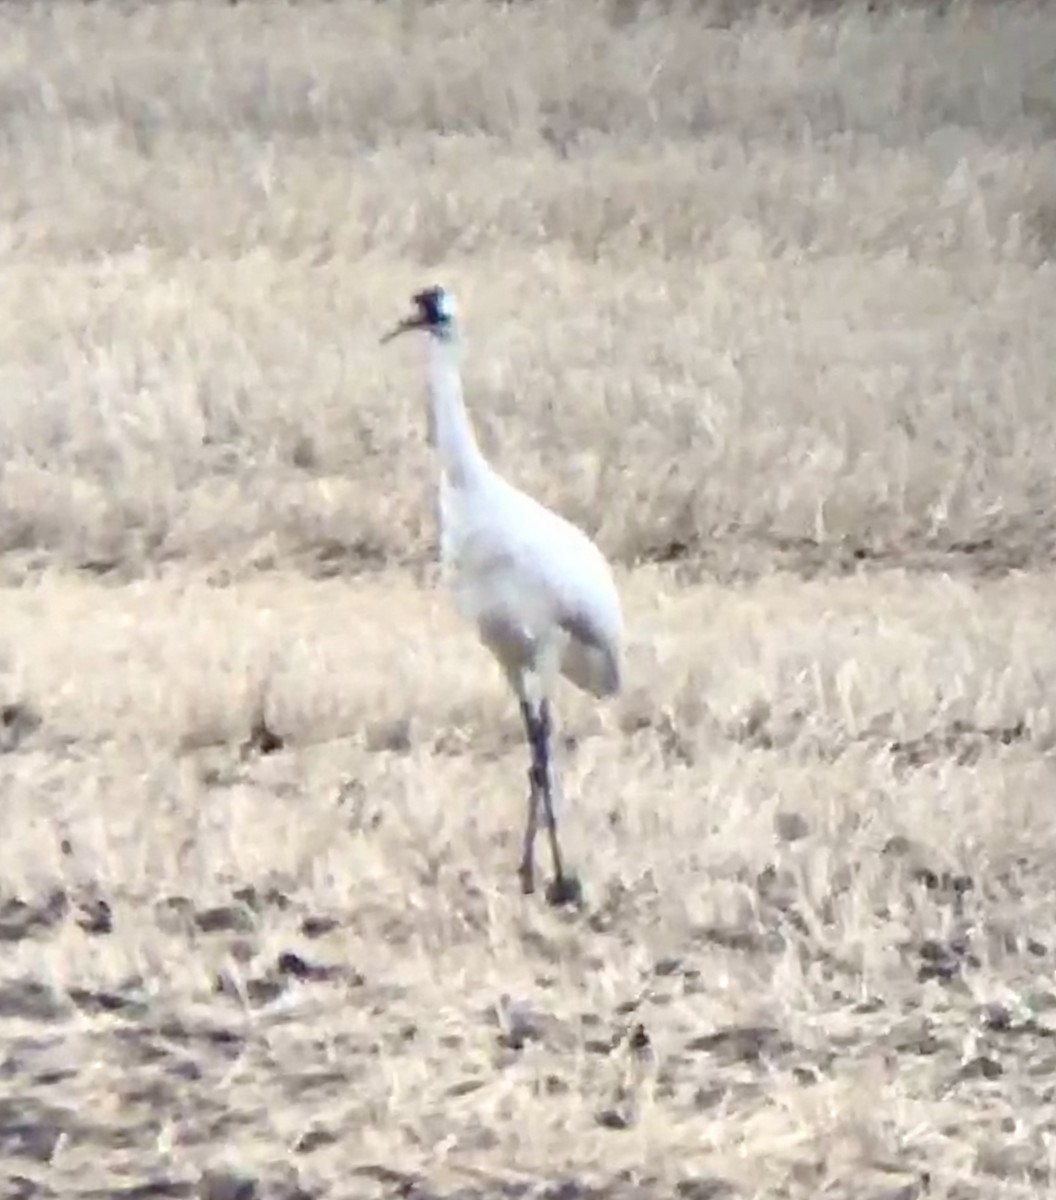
(460,457)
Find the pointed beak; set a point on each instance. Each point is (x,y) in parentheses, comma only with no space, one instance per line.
(404,326)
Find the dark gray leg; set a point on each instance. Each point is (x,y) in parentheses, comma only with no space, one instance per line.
(527,869)
(543,760)
(563,889)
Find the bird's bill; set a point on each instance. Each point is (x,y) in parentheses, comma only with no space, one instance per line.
(403,326)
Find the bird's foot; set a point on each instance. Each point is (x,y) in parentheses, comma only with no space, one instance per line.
(564,889)
(527,874)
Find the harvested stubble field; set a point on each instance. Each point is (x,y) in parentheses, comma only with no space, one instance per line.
(768,304)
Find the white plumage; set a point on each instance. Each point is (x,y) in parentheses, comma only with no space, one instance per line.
(537,588)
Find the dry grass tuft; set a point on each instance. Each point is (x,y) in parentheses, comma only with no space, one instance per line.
(816,947)
(763,298)
(781,290)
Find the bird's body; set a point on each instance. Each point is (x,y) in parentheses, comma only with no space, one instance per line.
(536,587)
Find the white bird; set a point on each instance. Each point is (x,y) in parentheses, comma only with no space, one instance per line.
(537,588)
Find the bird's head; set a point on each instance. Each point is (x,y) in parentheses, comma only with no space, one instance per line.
(434,311)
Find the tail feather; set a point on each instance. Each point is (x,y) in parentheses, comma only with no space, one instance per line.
(595,669)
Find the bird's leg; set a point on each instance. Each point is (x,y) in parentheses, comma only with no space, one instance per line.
(543,765)
(527,869)
(564,888)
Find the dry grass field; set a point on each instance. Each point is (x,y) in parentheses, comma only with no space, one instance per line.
(767,302)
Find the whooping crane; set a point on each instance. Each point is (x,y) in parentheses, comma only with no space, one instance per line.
(538,589)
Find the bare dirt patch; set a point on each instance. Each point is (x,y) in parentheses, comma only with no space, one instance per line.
(815,950)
